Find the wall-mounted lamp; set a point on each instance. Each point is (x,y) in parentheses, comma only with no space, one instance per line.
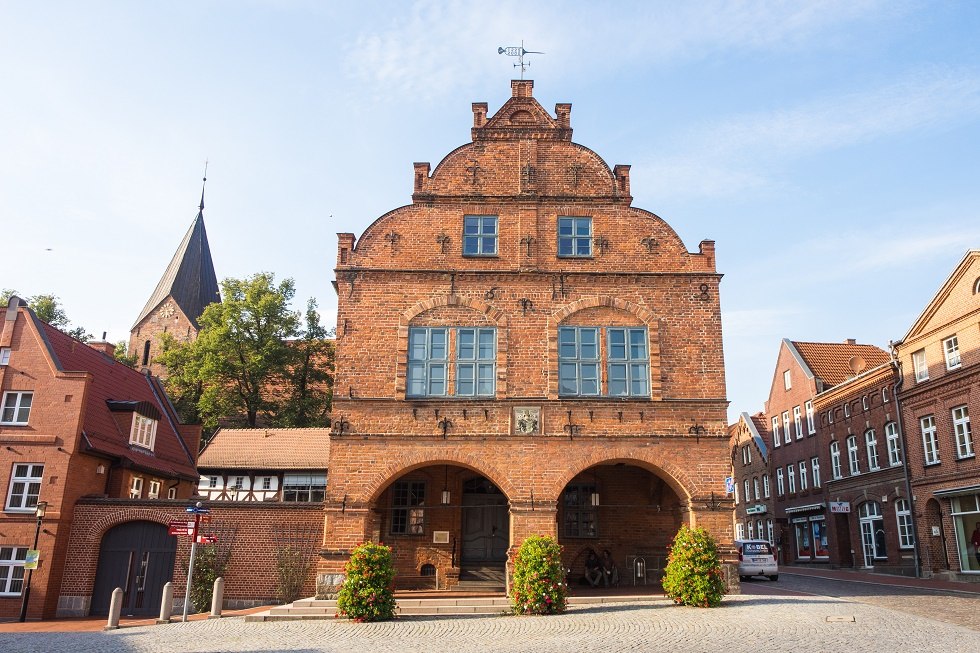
(446,496)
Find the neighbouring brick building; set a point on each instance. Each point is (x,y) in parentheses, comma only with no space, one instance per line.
(860,458)
(521,351)
(187,286)
(265,464)
(74,423)
(753,478)
(940,390)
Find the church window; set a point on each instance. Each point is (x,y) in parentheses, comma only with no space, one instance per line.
(146,353)
(480,235)
(575,237)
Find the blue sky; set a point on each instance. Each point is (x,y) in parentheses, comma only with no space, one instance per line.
(831,149)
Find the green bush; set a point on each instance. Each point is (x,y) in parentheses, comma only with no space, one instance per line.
(210,563)
(366,594)
(539,578)
(693,573)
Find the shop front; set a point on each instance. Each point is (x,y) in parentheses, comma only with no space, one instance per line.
(808,526)
(965,513)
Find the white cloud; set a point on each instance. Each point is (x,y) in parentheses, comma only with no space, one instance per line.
(745,152)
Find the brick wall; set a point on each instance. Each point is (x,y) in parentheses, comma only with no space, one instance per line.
(251,532)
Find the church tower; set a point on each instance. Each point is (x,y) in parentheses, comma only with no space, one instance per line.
(187,286)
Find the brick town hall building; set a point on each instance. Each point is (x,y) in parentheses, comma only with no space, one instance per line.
(520,351)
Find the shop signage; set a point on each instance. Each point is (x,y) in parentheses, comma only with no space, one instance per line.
(757,509)
(840,506)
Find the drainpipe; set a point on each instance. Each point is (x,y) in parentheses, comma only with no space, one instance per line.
(899,380)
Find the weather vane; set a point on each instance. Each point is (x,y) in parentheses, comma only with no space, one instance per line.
(518,52)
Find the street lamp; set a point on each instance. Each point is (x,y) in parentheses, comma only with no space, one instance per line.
(39,510)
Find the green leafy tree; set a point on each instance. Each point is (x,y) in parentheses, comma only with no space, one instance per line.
(308,378)
(122,355)
(48,309)
(539,577)
(693,575)
(367,594)
(241,350)
(210,563)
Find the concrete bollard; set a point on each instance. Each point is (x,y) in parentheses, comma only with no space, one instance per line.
(217,597)
(166,604)
(115,609)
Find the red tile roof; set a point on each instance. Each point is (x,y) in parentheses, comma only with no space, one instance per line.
(267,449)
(171,456)
(831,362)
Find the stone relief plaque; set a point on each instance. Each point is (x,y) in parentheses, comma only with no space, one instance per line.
(527,420)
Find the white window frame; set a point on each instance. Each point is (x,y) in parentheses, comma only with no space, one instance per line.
(745,486)
(930,439)
(12,570)
(871,445)
(787,380)
(13,402)
(4,356)
(815,468)
(864,403)
(903,516)
(884,395)
(772,540)
(775,431)
(853,461)
(811,425)
(755,487)
(894,445)
(172,493)
(739,531)
(920,366)
(951,350)
(765,486)
(803,480)
(835,465)
(143,432)
(212,482)
(25,478)
(136,487)
(751,526)
(780,488)
(791,478)
(961,428)
(847,409)
(798,422)
(786,434)
(154,491)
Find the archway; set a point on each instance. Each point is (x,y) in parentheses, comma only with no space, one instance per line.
(448,527)
(625,509)
(137,556)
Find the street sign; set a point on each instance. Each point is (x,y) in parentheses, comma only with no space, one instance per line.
(840,506)
(181,527)
(198,511)
(33,556)
(729,485)
(206,539)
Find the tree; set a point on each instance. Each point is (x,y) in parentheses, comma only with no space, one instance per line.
(48,309)
(240,353)
(308,382)
(122,355)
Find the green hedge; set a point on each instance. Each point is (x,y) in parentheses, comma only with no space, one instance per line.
(693,574)
(539,578)
(367,594)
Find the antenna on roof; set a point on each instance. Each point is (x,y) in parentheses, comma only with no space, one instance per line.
(518,52)
(204,183)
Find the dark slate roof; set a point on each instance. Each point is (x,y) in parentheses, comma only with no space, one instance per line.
(113,385)
(190,277)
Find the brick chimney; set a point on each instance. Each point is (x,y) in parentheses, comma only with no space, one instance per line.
(106,348)
(850,341)
(521,87)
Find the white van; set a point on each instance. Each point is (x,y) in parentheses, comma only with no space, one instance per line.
(756,558)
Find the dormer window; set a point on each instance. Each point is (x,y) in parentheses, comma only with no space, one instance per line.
(144,431)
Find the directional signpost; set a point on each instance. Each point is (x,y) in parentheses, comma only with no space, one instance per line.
(199,512)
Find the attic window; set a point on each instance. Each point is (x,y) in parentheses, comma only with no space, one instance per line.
(144,432)
(522,117)
(976,286)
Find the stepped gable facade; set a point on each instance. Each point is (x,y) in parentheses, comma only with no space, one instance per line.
(522,351)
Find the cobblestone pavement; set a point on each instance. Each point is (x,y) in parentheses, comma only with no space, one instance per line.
(744,623)
(952,607)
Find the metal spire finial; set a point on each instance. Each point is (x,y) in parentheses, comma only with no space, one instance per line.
(518,52)
(204,183)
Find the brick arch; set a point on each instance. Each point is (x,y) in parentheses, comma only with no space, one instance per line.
(596,301)
(495,315)
(676,478)
(125,515)
(405,464)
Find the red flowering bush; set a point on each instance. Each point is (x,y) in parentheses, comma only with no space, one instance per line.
(366,594)
(693,573)
(539,578)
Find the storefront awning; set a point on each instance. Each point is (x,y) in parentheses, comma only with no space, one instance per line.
(807,508)
(952,492)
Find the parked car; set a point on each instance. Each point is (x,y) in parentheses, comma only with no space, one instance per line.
(756,558)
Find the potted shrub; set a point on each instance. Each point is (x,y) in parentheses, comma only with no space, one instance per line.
(367,594)
(693,575)
(539,578)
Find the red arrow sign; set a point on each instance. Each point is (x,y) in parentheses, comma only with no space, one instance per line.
(206,539)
